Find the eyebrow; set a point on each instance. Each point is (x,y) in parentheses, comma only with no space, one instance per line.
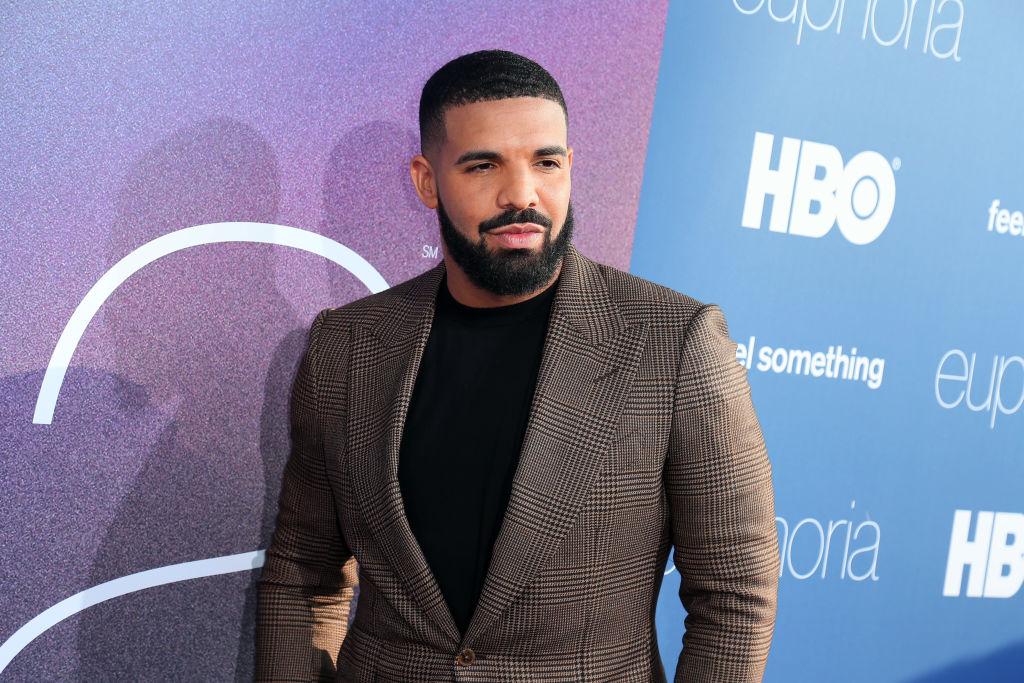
(552,151)
(486,155)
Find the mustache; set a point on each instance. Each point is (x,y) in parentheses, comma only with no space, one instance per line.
(511,216)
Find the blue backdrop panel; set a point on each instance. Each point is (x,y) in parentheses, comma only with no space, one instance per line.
(844,179)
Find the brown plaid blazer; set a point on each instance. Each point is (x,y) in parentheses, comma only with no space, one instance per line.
(642,436)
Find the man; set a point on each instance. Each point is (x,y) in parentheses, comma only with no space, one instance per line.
(501,452)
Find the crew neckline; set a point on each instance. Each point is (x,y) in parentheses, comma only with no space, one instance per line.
(488,316)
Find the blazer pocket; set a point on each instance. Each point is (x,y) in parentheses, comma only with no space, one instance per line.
(636,451)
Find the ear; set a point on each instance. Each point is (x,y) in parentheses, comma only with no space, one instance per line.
(568,159)
(423,180)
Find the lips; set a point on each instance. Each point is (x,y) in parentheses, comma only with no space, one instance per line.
(519,236)
(517,228)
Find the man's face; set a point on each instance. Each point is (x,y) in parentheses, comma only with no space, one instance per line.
(501,186)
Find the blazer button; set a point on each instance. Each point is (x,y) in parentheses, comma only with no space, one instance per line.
(465,658)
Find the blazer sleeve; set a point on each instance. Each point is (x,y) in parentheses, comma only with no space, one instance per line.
(719,486)
(308,581)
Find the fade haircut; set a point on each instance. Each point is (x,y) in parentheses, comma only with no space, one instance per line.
(479,77)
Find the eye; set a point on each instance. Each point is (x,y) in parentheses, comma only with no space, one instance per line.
(550,164)
(479,168)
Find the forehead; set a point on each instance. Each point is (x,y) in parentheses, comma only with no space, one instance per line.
(526,122)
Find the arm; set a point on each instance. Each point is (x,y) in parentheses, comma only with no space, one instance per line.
(310,576)
(719,484)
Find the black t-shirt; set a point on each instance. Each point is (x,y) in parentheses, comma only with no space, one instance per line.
(463,433)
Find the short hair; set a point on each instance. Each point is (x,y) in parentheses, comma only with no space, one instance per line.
(479,77)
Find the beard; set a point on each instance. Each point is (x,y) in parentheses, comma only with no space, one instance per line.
(507,272)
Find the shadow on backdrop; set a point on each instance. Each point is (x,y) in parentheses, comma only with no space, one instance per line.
(369,205)
(197,329)
(62,482)
(1005,665)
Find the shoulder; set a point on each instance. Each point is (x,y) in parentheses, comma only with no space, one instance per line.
(642,301)
(370,310)
(679,326)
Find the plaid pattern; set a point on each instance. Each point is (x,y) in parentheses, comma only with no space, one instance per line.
(642,436)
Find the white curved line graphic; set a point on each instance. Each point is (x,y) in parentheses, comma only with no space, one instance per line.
(211,233)
(122,586)
(53,379)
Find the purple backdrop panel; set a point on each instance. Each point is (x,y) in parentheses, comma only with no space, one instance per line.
(168,432)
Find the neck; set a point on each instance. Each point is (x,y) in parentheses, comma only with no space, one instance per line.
(468,293)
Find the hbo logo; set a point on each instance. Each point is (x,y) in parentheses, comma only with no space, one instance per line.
(994,556)
(812,190)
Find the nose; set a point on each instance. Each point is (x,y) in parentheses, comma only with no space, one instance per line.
(519,191)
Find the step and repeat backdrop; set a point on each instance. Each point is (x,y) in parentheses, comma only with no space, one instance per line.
(845,180)
(185,188)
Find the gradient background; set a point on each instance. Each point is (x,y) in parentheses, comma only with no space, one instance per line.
(169,436)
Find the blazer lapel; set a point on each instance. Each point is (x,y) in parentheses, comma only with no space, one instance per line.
(385,359)
(587,368)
